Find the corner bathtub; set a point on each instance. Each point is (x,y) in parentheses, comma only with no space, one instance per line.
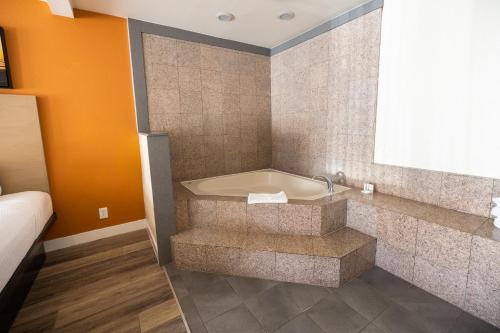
(262,181)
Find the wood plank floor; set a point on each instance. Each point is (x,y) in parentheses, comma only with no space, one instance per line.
(110,285)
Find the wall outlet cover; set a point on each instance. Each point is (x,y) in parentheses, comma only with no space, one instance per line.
(103,213)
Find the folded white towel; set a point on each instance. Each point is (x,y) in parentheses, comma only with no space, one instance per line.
(255,198)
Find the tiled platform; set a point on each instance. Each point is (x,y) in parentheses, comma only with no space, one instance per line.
(376,302)
(330,260)
(451,254)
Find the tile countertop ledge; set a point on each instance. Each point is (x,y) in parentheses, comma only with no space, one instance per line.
(472,224)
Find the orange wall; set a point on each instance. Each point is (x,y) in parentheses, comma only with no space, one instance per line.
(79,69)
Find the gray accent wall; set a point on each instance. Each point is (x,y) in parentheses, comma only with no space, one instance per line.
(158,192)
(163,194)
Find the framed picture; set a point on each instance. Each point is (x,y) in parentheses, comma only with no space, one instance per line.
(5,78)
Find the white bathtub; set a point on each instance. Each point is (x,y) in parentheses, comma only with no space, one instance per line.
(262,181)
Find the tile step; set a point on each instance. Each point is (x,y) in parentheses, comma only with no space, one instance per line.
(328,260)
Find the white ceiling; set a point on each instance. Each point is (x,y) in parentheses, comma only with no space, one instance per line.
(255,22)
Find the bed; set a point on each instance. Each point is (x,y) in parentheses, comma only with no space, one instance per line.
(26,210)
(23,218)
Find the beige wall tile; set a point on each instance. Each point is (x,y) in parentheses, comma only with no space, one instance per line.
(397,229)
(360,148)
(294,268)
(263,218)
(319,75)
(230,83)
(193,147)
(211,81)
(246,62)
(483,285)
(362,107)
(211,58)
(161,49)
(181,214)
(362,217)
(249,122)
(259,264)
(262,66)
(443,282)
(213,124)
(190,102)
(296,57)
(191,124)
(421,185)
(163,101)
(248,141)
(348,267)
(248,104)
(162,77)
(328,218)
(394,260)
(230,104)
(249,161)
(214,146)
(247,84)
(276,65)
(189,78)
(229,61)
(188,54)
(232,162)
(366,256)
(388,179)
(232,126)
(295,219)
(203,213)
(467,194)
(190,257)
(294,244)
(262,86)
(222,260)
(193,168)
(319,48)
(443,246)
(214,165)
(327,271)
(496,188)
(231,215)
(212,102)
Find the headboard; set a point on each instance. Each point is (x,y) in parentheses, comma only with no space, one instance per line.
(22,160)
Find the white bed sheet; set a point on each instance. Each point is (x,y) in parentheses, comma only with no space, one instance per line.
(22,218)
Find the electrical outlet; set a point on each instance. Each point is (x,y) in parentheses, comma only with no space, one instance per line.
(103,213)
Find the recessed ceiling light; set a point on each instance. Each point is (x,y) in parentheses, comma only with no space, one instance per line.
(225,17)
(286,16)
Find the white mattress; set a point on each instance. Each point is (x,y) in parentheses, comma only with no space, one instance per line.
(22,218)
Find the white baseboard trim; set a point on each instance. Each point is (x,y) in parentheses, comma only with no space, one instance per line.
(89,236)
(152,240)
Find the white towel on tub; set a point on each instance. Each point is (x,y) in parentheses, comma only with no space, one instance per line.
(256,198)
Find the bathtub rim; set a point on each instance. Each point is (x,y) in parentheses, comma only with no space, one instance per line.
(328,195)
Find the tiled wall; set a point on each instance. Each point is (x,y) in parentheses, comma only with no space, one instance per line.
(214,103)
(323,120)
(459,266)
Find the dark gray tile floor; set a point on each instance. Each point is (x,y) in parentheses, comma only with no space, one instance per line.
(376,302)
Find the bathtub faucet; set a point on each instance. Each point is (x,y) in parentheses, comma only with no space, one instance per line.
(328,181)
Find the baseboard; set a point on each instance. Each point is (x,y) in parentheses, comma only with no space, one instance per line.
(89,236)
(152,239)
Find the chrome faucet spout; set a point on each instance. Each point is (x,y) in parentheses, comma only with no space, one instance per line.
(328,181)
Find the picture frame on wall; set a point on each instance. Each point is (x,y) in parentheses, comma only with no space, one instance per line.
(5,77)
